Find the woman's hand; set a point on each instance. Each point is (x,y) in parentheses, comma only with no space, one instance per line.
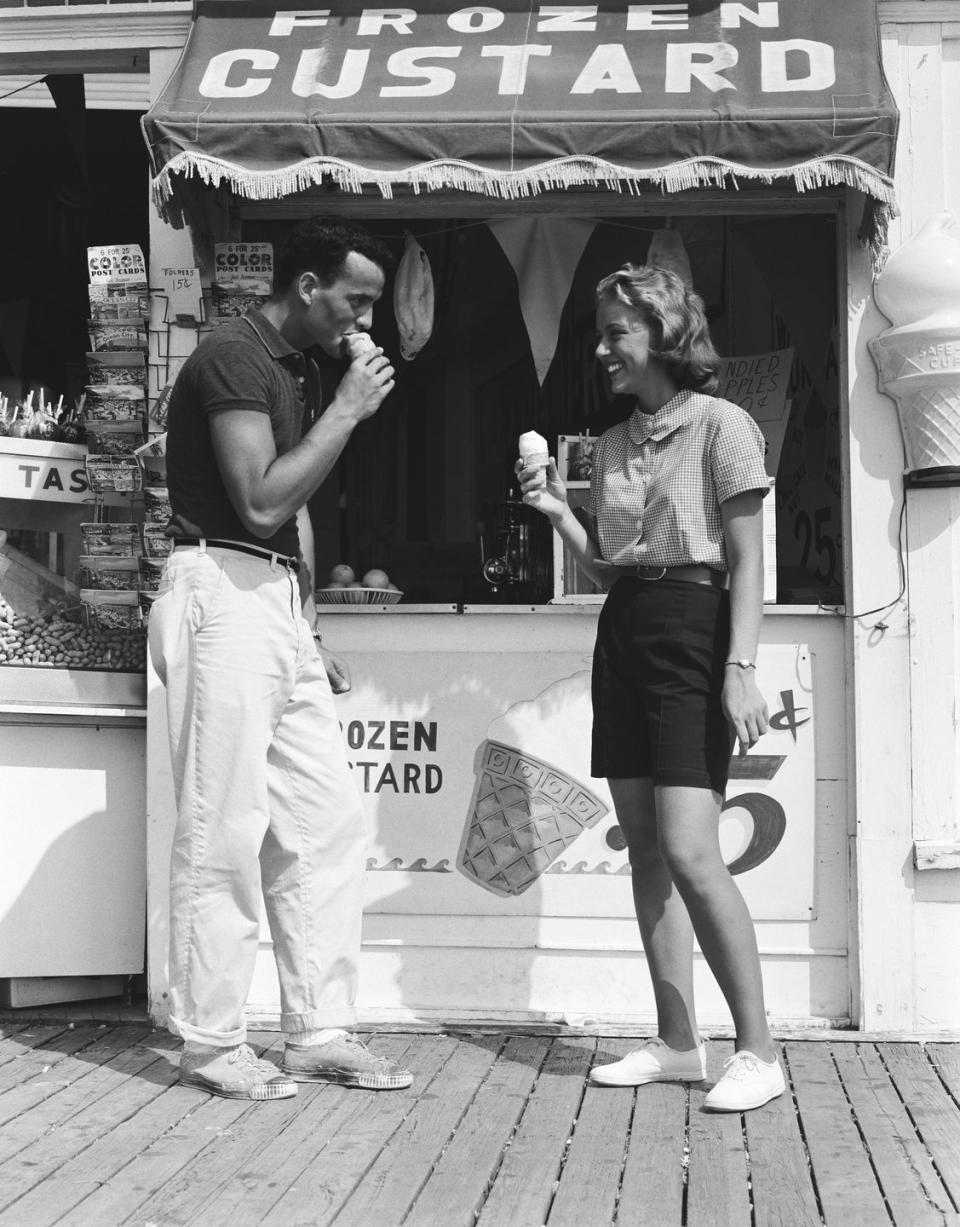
(744,706)
(542,488)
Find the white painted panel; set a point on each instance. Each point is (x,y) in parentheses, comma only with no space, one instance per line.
(934,520)
(72,874)
(432,960)
(577,988)
(951,110)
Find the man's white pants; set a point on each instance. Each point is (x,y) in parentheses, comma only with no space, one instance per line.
(267,808)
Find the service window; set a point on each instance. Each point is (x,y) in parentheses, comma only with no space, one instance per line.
(425,489)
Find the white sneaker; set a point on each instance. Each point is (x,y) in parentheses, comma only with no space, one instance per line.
(748,1083)
(653,1061)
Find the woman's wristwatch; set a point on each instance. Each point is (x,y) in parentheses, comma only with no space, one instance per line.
(741,664)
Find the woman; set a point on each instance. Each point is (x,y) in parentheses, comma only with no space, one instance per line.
(674,532)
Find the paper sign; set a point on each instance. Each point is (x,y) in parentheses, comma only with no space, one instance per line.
(759,384)
(243,268)
(116,262)
(181,287)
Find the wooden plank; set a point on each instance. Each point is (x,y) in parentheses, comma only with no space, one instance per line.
(39,1048)
(945,1059)
(783,1191)
(52,1095)
(350,1141)
(845,1181)
(590,1178)
(651,1194)
(524,1185)
(934,1113)
(202,1122)
(907,1177)
(74,1116)
(390,1183)
(8,1033)
(206,1118)
(143,1112)
(717,1193)
(457,1186)
(240,1177)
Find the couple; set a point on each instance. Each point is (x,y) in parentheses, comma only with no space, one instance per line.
(266,804)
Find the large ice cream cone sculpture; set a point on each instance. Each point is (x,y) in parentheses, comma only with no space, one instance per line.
(526,809)
(919,358)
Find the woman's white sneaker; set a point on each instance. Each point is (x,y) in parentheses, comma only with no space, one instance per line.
(747,1083)
(653,1061)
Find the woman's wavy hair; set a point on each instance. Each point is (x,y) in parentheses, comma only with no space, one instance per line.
(676,318)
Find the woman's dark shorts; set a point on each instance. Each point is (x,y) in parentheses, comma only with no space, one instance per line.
(658,671)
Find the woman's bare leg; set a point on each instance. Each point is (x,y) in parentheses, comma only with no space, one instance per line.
(665,928)
(688,822)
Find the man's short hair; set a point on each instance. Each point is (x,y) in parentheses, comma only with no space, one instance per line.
(321,245)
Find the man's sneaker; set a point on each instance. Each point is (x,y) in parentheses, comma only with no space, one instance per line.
(346,1061)
(653,1061)
(235,1073)
(748,1083)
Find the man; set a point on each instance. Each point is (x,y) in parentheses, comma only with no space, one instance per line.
(267,807)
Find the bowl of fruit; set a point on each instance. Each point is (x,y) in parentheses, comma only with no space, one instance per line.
(343,588)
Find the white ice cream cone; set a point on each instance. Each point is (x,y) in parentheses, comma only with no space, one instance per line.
(919,357)
(920,370)
(534,450)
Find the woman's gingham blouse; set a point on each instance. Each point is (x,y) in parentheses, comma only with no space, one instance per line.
(659,479)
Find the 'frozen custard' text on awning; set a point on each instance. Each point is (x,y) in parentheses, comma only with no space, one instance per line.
(517,97)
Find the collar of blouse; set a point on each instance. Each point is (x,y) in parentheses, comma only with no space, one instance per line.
(674,413)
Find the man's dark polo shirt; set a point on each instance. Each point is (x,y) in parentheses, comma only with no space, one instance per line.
(246,365)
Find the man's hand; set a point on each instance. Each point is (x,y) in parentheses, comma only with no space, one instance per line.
(366,384)
(338,672)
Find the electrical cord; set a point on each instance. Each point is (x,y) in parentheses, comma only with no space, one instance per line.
(880,609)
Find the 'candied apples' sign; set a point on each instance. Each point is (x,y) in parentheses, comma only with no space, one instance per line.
(271,99)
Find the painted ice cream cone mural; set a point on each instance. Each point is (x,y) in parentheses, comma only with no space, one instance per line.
(919,357)
(526,808)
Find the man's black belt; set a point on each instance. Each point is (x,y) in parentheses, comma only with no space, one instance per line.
(292,564)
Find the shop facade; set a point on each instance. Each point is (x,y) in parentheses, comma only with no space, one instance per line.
(468,712)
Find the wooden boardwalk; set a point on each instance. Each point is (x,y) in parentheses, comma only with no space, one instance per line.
(500,1130)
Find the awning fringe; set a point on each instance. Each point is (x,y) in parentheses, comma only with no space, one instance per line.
(554,175)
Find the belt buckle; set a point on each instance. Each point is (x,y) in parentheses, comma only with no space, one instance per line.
(650,579)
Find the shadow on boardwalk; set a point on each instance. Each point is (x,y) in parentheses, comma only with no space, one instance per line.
(498,1129)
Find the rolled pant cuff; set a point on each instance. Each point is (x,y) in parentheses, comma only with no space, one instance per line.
(318,1020)
(198,1035)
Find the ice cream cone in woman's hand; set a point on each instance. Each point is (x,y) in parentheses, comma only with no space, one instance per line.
(534,450)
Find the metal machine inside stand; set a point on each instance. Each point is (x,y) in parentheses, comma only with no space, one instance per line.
(518,570)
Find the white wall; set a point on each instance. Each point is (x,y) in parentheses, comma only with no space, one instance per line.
(906,677)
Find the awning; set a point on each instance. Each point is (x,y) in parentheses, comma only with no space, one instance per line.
(517,97)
